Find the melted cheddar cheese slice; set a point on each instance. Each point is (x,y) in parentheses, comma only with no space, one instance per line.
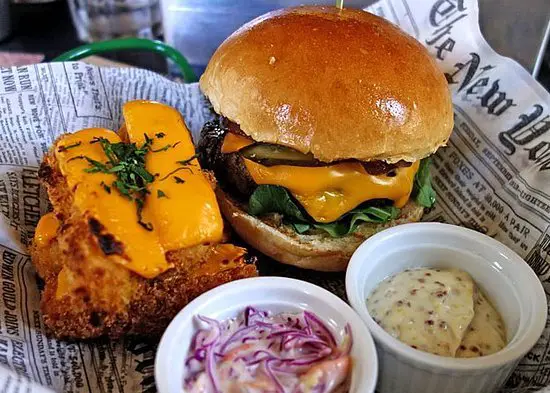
(188,214)
(142,252)
(328,192)
(233,143)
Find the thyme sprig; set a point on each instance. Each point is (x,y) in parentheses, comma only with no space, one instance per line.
(127,162)
(62,149)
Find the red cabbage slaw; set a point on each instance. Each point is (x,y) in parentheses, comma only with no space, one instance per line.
(263,353)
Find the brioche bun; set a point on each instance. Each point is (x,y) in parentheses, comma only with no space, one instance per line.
(316,251)
(341,84)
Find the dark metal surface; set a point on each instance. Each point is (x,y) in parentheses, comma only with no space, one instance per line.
(48,29)
(40,28)
(196,27)
(516,29)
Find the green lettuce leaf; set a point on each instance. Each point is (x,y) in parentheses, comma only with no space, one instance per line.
(301,227)
(423,193)
(274,199)
(350,221)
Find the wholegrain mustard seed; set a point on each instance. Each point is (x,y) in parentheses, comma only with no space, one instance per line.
(446,315)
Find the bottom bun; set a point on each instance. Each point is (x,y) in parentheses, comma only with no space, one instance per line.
(317,251)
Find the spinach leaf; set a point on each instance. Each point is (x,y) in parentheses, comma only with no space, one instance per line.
(274,199)
(300,227)
(423,192)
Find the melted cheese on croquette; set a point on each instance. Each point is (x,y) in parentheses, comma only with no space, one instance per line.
(140,250)
(181,204)
(188,214)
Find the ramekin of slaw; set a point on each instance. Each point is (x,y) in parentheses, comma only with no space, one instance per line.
(266,334)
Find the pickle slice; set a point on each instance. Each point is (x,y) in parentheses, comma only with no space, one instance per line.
(269,154)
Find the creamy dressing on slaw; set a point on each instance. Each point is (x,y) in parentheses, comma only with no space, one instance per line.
(260,353)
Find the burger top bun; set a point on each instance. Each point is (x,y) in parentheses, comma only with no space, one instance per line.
(341,84)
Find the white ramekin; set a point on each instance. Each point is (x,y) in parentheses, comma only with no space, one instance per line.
(275,294)
(507,280)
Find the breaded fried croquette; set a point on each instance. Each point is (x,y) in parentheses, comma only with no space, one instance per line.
(87,296)
(116,257)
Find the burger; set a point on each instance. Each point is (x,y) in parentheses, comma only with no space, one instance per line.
(326,119)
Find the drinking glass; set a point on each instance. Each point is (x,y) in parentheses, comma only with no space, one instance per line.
(98,20)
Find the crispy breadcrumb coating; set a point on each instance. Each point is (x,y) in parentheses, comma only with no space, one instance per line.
(86,295)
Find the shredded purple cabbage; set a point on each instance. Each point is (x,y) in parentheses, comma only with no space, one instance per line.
(261,353)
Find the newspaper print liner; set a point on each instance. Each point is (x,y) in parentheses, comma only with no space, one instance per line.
(493,177)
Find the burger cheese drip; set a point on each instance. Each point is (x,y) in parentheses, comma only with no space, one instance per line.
(233,143)
(179,209)
(328,192)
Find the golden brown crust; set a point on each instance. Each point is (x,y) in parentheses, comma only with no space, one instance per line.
(337,83)
(99,297)
(316,251)
(107,299)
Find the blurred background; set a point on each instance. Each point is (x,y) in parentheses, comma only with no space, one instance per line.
(34,30)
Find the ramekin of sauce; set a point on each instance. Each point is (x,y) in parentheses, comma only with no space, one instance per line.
(440,311)
(451,310)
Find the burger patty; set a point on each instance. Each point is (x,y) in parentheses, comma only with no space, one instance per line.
(230,169)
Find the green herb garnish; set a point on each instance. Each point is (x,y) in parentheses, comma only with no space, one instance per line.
(106,187)
(96,166)
(127,162)
(162,149)
(184,166)
(175,171)
(188,161)
(161,194)
(61,149)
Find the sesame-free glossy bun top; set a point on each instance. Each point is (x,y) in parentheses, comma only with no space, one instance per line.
(337,83)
